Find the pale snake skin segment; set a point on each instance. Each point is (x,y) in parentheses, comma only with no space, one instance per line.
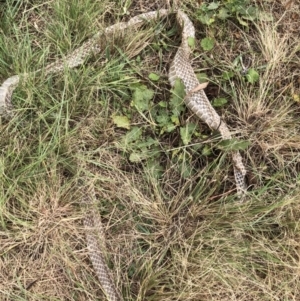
(197,101)
(95,239)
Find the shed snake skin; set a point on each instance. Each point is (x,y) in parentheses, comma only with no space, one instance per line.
(195,99)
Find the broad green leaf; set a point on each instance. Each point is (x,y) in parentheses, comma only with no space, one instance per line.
(121,121)
(241,21)
(206,151)
(165,122)
(213,6)
(177,109)
(176,101)
(154,168)
(170,127)
(175,120)
(148,94)
(154,77)
(136,157)
(191,42)
(252,76)
(163,119)
(206,19)
(237,61)
(202,77)
(133,135)
(250,13)
(185,169)
(141,97)
(227,74)
(233,145)
(163,104)
(203,7)
(186,133)
(207,44)
(223,13)
(144,144)
(219,102)
(179,88)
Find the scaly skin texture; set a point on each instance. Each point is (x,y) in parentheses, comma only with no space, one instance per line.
(95,238)
(197,101)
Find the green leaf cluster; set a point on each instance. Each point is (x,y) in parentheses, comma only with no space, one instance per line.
(241,10)
(251,75)
(168,112)
(165,114)
(139,144)
(143,146)
(233,145)
(207,44)
(141,97)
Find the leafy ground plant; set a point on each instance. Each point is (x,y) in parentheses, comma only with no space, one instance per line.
(164,183)
(239,10)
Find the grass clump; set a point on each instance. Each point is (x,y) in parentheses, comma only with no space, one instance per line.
(163,180)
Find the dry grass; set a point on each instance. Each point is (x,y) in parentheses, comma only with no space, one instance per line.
(168,237)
